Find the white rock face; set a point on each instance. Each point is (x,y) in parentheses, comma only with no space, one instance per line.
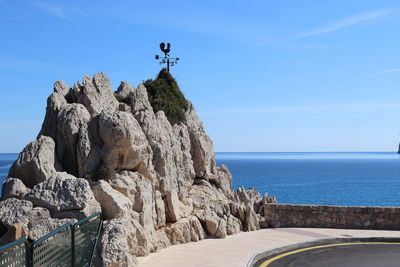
(70,120)
(96,94)
(55,103)
(201,145)
(126,183)
(185,230)
(173,206)
(170,144)
(125,145)
(156,183)
(36,162)
(113,203)
(14,187)
(14,218)
(19,219)
(65,196)
(116,248)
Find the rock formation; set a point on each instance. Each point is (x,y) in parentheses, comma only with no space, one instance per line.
(156,183)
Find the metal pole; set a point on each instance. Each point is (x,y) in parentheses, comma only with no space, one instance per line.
(168,65)
(72,245)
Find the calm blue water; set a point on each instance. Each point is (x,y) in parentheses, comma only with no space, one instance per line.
(366,179)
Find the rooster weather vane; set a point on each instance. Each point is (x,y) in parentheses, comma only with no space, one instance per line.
(170,61)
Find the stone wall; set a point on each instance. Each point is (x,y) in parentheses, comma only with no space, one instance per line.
(286,215)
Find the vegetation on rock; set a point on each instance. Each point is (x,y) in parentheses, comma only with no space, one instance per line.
(164,94)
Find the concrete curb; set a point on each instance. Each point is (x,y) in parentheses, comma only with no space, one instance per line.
(253,260)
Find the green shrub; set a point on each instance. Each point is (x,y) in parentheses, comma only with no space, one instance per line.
(164,94)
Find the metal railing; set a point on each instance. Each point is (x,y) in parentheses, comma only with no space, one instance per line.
(85,237)
(70,245)
(14,254)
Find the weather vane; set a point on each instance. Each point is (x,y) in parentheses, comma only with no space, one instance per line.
(170,61)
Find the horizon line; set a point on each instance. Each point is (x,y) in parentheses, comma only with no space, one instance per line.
(306,152)
(393,151)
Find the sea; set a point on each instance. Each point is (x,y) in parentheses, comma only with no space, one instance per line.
(349,179)
(339,178)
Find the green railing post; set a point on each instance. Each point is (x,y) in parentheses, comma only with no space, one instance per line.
(73,245)
(27,250)
(30,262)
(86,234)
(97,240)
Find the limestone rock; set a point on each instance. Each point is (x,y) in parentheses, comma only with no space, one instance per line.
(122,240)
(205,195)
(145,204)
(124,93)
(39,227)
(173,206)
(55,102)
(61,88)
(215,226)
(36,162)
(252,222)
(170,144)
(96,94)
(70,120)
(201,145)
(65,196)
(234,225)
(249,197)
(124,183)
(185,230)
(156,183)
(183,158)
(89,149)
(14,187)
(15,211)
(15,218)
(140,101)
(179,232)
(160,210)
(125,145)
(12,233)
(87,153)
(140,191)
(115,245)
(197,232)
(223,179)
(170,147)
(113,203)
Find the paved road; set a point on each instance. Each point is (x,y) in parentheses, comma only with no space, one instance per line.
(354,255)
(235,250)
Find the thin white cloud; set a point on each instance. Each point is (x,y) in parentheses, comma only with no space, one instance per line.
(381,73)
(65,13)
(346,22)
(336,25)
(306,108)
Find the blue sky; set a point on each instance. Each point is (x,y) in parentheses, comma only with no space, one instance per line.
(263,75)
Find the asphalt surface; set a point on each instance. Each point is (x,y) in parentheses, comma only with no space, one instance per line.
(356,255)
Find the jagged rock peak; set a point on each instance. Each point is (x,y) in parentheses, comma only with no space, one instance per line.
(152,173)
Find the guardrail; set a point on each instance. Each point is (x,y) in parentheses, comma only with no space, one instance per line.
(14,254)
(70,245)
